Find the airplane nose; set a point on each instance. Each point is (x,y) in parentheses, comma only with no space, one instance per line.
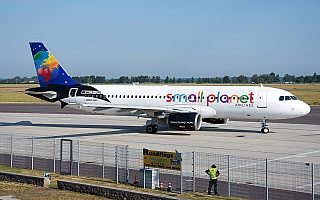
(305,109)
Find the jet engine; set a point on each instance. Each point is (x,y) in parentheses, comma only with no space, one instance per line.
(183,121)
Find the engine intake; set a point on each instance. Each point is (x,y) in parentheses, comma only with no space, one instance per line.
(184,121)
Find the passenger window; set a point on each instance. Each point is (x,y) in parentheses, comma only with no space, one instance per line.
(281,98)
(288,98)
(128,96)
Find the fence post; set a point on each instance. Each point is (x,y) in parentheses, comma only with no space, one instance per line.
(193,172)
(11,150)
(102,160)
(229,191)
(54,155)
(127,164)
(71,157)
(144,177)
(181,178)
(267,187)
(117,165)
(78,169)
(32,151)
(312,179)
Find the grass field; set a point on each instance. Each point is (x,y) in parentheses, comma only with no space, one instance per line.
(309,93)
(31,192)
(14,93)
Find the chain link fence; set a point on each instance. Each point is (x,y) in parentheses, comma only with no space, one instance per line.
(243,177)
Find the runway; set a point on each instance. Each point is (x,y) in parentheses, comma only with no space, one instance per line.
(290,141)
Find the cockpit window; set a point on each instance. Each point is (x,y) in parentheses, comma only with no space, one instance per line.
(287,98)
(294,98)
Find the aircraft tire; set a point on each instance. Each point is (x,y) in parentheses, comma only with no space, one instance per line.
(152,128)
(265,130)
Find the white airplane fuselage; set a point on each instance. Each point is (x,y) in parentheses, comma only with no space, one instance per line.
(233,102)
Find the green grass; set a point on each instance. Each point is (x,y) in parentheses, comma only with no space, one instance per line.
(31,192)
(14,93)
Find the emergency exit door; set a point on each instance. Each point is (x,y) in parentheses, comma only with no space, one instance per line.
(262,99)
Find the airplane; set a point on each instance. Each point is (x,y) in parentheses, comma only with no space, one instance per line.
(179,107)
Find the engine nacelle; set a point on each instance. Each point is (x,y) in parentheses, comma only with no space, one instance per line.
(215,120)
(183,121)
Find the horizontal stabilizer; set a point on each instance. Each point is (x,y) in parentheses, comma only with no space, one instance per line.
(47,94)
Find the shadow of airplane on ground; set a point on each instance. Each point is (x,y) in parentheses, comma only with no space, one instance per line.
(119,129)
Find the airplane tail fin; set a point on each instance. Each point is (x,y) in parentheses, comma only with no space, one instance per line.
(48,69)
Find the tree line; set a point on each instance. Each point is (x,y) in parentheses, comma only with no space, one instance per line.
(242,79)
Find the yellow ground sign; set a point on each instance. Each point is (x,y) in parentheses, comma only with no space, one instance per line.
(162,159)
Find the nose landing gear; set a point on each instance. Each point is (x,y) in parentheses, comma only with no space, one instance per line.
(264,126)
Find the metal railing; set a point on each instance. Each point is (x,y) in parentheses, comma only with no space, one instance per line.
(243,177)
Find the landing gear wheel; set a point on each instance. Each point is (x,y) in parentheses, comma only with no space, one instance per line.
(264,130)
(152,128)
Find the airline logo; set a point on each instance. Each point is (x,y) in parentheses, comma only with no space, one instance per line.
(219,97)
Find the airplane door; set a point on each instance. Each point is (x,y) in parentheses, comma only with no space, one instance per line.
(262,99)
(73,95)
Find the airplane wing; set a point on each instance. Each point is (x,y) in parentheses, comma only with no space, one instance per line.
(148,110)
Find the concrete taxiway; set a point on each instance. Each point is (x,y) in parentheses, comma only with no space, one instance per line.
(290,142)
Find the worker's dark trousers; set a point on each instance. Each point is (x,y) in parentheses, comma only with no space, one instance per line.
(213,182)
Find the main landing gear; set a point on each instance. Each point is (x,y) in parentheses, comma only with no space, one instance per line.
(264,126)
(152,128)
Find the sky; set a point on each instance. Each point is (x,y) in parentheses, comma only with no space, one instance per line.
(174,38)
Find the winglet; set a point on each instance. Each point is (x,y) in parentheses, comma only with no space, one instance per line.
(48,70)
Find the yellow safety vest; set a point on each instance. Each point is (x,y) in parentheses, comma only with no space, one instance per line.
(213,173)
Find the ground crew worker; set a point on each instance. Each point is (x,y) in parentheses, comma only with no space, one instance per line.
(213,175)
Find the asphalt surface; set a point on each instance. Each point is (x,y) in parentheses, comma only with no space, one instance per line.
(312,118)
(293,140)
